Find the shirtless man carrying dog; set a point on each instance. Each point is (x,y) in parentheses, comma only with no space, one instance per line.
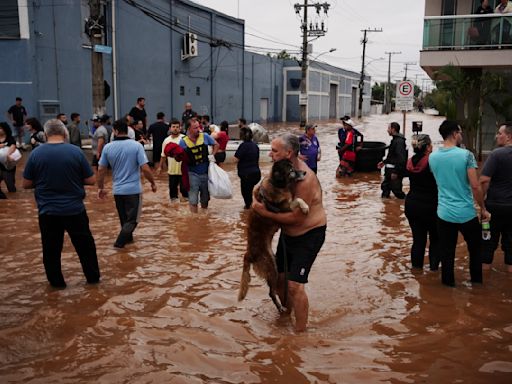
(302,235)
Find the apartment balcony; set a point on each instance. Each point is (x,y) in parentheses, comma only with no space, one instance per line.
(468,41)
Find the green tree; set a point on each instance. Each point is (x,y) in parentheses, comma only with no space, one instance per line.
(378,91)
(462,89)
(462,93)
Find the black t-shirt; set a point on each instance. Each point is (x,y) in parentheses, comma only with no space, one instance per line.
(158,131)
(139,115)
(187,114)
(499,168)
(18,114)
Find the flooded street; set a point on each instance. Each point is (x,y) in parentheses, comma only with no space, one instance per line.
(166,310)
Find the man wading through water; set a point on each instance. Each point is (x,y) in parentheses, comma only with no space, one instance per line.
(302,235)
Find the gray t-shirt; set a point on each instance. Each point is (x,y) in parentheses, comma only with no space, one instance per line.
(499,168)
(101,131)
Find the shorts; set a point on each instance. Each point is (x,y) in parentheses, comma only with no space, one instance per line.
(301,253)
(198,189)
(17,130)
(94,162)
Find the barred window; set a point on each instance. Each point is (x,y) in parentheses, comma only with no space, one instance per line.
(9,20)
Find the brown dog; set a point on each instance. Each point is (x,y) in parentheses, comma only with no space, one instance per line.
(276,193)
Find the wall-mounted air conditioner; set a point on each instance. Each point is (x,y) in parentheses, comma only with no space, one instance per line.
(189,46)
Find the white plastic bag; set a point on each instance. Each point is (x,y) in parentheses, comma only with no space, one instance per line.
(9,163)
(219,185)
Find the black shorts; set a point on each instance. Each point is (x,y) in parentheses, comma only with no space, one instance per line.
(300,252)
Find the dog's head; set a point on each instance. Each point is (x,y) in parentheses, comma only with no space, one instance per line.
(283,174)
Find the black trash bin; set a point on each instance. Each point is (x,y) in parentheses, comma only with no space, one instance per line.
(370,155)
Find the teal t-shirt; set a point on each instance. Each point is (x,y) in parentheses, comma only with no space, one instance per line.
(455,198)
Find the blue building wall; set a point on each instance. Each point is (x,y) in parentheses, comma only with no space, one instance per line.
(54,65)
(263,84)
(320,78)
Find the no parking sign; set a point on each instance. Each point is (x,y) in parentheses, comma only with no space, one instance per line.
(404,95)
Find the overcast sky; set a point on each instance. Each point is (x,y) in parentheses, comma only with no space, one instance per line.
(401,22)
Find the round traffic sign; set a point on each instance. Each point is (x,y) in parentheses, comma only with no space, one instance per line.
(405,88)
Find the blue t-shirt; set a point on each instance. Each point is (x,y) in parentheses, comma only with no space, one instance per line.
(202,168)
(125,157)
(248,155)
(449,166)
(309,148)
(58,172)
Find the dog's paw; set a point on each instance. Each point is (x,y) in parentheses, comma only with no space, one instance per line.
(303,206)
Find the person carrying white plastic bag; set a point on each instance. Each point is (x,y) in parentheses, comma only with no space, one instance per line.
(219,185)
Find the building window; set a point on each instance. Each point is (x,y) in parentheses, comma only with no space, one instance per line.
(198,91)
(9,20)
(14,19)
(182,90)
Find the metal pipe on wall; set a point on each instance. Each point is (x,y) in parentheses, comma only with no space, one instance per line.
(114,61)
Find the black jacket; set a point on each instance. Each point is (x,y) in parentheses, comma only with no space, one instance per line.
(397,153)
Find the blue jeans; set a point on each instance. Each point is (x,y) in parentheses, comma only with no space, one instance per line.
(198,189)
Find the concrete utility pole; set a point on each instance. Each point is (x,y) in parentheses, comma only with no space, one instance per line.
(361,80)
(387,90)
(406,66)
(96,31)
(313,30)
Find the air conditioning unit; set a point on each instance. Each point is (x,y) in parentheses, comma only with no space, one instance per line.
(189,46)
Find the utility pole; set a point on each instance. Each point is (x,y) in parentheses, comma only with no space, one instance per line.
(316,30)
(406,66)
(404,113)
(96,28)
(387,90)
(361,80)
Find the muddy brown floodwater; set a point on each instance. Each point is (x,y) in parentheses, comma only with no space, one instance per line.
(166,310)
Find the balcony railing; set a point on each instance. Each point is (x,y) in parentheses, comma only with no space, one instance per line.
(467,32)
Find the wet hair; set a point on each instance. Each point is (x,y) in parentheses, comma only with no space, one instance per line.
(291,142)
(508,127)
(242,120)
(224,125)
(34,123)
(420,143)
(74,115)
(246,134)
(160,115)
(120,126)
(6,128)
(447,128)
(395,126)
(174,121)
(55,127)
(189,121)
(128,119)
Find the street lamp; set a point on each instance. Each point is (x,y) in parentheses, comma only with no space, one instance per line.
(323,53)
